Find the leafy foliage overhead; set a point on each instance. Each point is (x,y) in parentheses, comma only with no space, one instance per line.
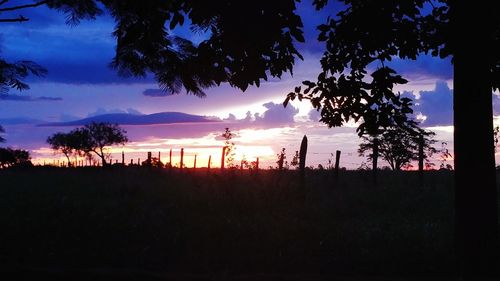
(367,34)
(12,74)
(244,41)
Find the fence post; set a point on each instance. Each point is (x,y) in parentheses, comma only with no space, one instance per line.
(223,158)
(337,163)
(182,158)
(139,161)
(302,160)
(170,158)
(123,158)
(194,166)
(375,159)
(257,164)
(209,161)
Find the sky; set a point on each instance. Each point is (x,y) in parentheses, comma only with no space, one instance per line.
(80,84)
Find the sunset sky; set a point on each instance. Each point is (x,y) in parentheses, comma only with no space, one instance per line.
(80,84)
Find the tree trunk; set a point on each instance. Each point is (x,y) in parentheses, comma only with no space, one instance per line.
(103,157)
(476,218)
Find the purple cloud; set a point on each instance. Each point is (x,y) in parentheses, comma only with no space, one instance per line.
(277,114)
(10,97)
(436,105)
(102,111)
(314,115)
(156,93)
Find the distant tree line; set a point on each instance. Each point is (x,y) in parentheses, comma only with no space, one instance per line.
(10,157)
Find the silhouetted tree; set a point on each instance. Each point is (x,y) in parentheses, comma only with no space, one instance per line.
(14,157)
(230,148)
(398,147)
(295,160)
(444,155)
(95,137)
(369,32)
(67,144)
(281,159)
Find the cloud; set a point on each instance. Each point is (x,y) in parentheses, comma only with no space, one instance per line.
(135,119)
(314,115)
(496,104)
(10,97)
(436,105)
(102,111)
(275,116)
(424,66)
(19,120)
(156,93)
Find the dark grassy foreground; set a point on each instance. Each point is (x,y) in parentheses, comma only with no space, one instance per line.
(138,224)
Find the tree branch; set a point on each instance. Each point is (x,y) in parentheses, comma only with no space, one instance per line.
(40,3)
(19,19)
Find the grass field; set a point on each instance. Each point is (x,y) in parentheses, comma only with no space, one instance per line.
(231,223)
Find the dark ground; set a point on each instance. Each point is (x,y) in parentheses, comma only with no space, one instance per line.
(142,224)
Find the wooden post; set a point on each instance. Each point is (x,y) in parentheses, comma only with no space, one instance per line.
(337,163)
(149,159)
(302,170)
(170,158)
(182,158)
(209,161)
(139,161)
(302,160)
(194,166)
(421,159)
(223,158)
(375,159)
(131,162)
(159,156)
(123,158)
(257,164)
